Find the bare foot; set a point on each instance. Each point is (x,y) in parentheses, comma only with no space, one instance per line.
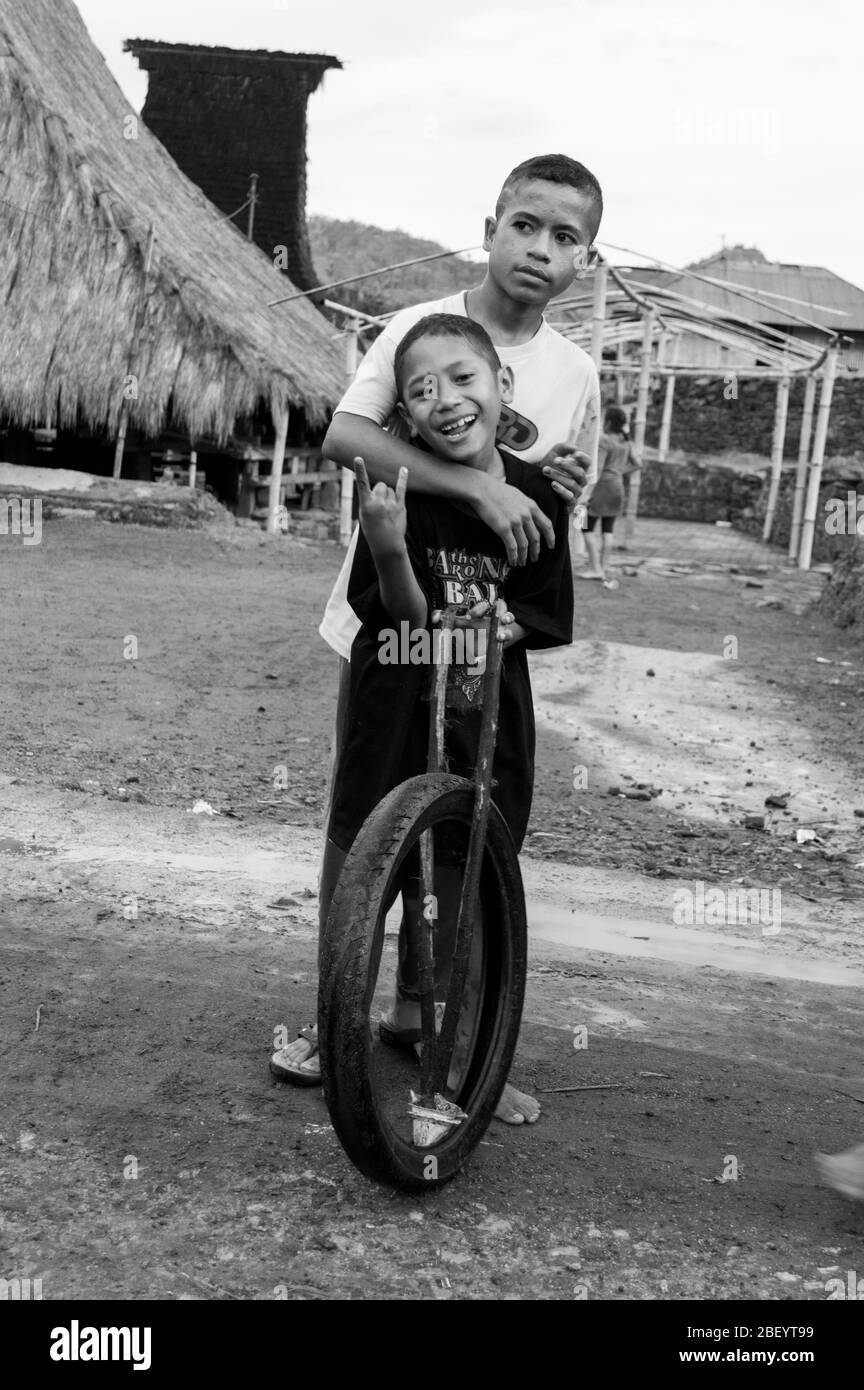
(590,574)
(299,1055)
(844,1172)
(517,1108)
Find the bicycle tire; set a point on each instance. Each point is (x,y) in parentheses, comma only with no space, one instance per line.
(354,940)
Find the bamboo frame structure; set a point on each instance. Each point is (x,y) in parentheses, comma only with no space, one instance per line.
(781,411)
(801,470)
(666,422)
(641,415)
(598,316)
(817,457)
(346,504)
(280,420)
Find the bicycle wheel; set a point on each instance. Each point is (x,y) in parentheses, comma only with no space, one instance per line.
(367,1085)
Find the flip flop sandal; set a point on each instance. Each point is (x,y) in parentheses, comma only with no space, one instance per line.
(294,1072)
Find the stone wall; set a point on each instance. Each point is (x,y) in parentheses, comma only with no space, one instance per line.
(843,596)
(707,421)
(698,490)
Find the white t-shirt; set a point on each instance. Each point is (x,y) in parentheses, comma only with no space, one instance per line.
(556,400)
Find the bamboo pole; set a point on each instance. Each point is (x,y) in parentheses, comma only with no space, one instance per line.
(820,437)
(801,470)
(641,416)
(123,423)
(598,313)
(619,369)
(781,411)
(666,422)
(280,421)
(253,199)
(748,373)
(346,524)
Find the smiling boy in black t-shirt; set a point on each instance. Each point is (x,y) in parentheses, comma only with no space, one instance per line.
(417,554)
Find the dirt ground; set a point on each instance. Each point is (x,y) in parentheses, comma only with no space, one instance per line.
(145,1152)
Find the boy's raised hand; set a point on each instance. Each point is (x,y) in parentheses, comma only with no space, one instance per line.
(383,518)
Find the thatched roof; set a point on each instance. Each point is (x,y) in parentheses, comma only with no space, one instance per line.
(77,198)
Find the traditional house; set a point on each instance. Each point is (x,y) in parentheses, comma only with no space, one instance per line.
(229,116)
(128,298)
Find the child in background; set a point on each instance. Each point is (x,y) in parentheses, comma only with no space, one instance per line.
(617,458)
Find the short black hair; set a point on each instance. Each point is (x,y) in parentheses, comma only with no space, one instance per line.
(615,419)
(553,168)
(445,326)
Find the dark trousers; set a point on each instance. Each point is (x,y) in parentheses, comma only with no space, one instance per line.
(448,888)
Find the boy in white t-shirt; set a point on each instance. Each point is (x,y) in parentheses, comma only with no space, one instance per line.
(546,217)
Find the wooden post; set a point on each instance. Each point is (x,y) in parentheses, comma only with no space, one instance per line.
(801,470)
(598,313)
(346,524)
(666,422)
(137,326)
(620,378)
(811,504)
(193,468)
(641,415)
(781,411)
(280,421)
(253,198)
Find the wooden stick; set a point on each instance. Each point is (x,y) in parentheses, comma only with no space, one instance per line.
(426,933)
(253,198)
(781,410)
(280,420)
(561,1090)
(641,414)
(468,905)
(801,470)
(820,437)
(620,370)
(137,326)
(666,422)
(346,522)
(598,313)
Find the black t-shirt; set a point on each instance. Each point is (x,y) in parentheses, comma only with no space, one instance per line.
(457,560)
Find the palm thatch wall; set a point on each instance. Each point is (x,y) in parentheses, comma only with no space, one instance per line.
(77,199)
(226,113)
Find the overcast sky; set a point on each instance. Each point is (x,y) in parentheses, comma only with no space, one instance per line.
(703,121)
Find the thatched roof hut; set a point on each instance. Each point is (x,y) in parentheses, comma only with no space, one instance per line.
(82,181)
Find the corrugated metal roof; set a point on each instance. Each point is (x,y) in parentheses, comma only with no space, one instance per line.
(808,291)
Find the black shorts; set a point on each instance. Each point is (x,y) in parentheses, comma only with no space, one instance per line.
(606,523)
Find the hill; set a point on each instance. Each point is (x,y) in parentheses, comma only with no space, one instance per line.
(348,248)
